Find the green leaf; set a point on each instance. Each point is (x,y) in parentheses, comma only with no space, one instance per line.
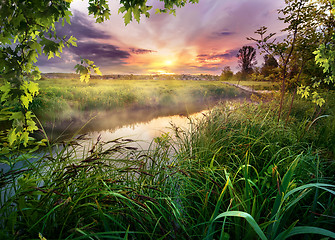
(128,17)
(247,217)
(303,91)
(72,40)
(89,62)
(31,126)
(25,138)
(5,89)
(97,71)
(79,68)
(67,16)
(17,116)
(33,88)
(85,78)
(137,14)
(37,47)
(106,14)
(51,55)
(305,230)
(122,9)
(57,54)
(25,100)
(12,136)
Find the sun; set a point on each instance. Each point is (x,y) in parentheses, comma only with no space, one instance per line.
(168,63)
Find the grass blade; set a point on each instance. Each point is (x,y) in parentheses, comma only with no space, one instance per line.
(305,230)
(247,217)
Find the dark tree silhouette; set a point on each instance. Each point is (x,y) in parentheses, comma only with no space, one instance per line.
(247,59)
(270,63)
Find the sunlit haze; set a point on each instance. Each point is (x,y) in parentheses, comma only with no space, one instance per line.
(201,39)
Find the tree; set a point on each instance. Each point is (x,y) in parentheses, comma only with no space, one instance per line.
(247,59)
(269,69)
(27,30)
(324,58)
(308,23)
(226,74)
(270,61)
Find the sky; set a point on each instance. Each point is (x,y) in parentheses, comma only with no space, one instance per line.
(202,38)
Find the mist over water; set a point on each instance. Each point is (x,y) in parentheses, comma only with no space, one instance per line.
(143,133)
(139,123)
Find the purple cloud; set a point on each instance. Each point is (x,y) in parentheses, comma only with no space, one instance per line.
(204,58)
(81,28)
(104,55)
(141,51)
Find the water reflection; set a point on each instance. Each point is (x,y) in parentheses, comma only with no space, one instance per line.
(144,133)
(141,125)
(129,121)
(88,122)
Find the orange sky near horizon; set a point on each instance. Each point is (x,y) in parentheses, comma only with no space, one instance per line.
(201,39)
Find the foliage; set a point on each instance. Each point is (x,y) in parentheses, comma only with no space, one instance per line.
(268,72)
(308,24)
(325,58)
(26,31)
(226,74)
(85,70)
(270,69)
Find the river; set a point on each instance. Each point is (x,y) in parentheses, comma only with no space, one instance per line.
(140,124)
(144,132)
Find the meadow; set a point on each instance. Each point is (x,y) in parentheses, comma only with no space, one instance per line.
(60,98)
(236,174)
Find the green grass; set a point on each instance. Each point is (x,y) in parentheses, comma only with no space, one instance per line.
(59,98)
(272,175)
(237,174)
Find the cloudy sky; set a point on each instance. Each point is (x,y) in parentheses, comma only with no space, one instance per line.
(201,38)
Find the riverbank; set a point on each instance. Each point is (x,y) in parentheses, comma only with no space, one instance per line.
(238,173)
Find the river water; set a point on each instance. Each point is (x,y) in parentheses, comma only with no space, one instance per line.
(141,125)
(137,123)
(144,132)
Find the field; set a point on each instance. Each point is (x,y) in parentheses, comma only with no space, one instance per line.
(61,98)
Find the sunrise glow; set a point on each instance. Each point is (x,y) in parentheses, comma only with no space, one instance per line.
(168,62)
(201,38)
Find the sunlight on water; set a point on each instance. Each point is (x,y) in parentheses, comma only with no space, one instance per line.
(144,133)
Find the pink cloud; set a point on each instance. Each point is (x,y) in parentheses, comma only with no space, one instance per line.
(201,37)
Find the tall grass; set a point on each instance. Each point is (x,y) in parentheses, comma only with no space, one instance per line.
(272,177)
(236,174)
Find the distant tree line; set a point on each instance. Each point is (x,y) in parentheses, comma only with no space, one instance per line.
(249,71)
